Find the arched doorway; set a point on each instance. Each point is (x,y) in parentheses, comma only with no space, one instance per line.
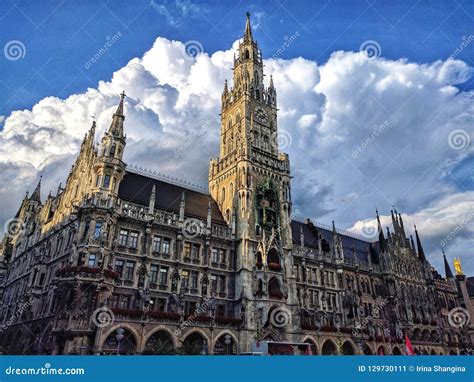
(396,351)
(329,348)
(313,347)
(225,345)
(159,343)
(194,344)
(368,350)
(120,341)
(381,351)
(347,348)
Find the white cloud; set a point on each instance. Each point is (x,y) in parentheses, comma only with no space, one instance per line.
(397,114)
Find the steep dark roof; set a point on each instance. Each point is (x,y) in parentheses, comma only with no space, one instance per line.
(136,188)
(353,247)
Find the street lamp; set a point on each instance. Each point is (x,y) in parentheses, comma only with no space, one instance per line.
(119,336)
(227,340)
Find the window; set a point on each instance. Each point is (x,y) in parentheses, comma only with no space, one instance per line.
(221,283)
(166,246)
(97,181)
(213,283)
(214,255)
(91,261)
(113,301)
(106,181)
(222,256)
(125,302)
(133,239)
(194,280)
(112,151)
(195,251)
(185,278)
(97,230)
(218,255)
(86,228)
(129,270)
(156,243)
(163,276)
(220,310)
(119,267)
(123,237)
(187,249)
(153,273)
(160,304)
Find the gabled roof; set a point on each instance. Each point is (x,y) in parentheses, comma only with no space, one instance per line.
(136,188)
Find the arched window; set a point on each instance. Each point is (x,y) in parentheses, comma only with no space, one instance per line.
(112,151)
(247,54)
(231,190)
(223,195)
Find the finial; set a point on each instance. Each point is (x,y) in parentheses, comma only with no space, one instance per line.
(123,95)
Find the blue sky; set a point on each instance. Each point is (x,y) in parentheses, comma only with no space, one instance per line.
(59,36)
(330,100)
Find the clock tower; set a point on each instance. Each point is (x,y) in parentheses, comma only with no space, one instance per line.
(250,181)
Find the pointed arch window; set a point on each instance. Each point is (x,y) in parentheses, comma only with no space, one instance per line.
(112,151)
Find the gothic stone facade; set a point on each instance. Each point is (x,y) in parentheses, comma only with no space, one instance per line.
(122,261)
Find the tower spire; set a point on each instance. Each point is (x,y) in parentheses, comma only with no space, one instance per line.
(116,127)
(382,242)
(421,252)
(447,268)
(36,195)
(248,29)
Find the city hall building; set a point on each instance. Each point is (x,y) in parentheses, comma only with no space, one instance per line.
(121,261)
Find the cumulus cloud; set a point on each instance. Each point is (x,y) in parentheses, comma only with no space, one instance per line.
(362,132)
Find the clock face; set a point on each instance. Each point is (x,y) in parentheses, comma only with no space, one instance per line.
(261,115)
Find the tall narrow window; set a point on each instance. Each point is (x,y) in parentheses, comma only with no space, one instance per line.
(123,237)
(97,230)
(166,246)
(133,239)
(153,273)
(106,181)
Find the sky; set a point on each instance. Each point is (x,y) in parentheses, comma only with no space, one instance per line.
(375,100)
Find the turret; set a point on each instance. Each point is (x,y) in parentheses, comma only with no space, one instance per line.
(109,168)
